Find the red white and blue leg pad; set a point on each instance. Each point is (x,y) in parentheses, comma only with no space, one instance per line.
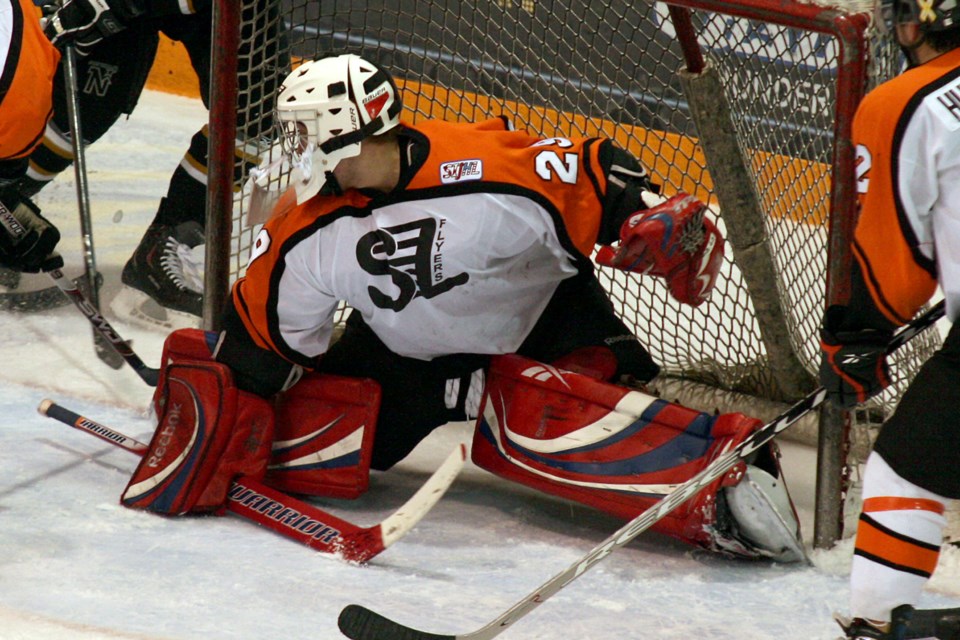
(615,449)
(324,436)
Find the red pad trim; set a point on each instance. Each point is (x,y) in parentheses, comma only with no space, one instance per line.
(324,436)
(209,433)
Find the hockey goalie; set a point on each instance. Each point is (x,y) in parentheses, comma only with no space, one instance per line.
(464,253)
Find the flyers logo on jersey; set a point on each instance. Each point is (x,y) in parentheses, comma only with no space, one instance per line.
(461,170)
(411,255)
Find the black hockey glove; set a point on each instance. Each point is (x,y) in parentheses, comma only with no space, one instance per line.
(853,364)
(27,239)
(86,22)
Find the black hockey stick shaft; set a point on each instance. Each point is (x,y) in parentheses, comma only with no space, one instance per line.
(934,623)
(100,343)
(359,623)
(66,416)
(103,328)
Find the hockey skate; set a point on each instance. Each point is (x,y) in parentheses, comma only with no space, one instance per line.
(860,629)
(163,280)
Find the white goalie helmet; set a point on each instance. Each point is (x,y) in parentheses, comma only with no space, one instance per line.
(325,109)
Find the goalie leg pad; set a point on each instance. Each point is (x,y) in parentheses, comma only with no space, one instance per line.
(603,445)
(324,436)
(209,433)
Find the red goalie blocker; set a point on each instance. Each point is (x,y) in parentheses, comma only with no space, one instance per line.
(609,447)
(209,433)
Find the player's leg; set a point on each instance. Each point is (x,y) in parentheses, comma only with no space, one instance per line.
(908,478)
(580,323)
(580,332)
(620,450)
(110,80)
(163,279)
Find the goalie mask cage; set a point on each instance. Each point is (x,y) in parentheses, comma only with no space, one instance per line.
(746,104)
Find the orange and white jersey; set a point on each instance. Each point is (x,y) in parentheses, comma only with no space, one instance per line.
(28,64)
(907,238)
(461,258)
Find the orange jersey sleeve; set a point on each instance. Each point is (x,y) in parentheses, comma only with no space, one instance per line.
(255,294)
(26,81)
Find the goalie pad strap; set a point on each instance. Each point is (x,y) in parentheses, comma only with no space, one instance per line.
(182,345)
(209,433)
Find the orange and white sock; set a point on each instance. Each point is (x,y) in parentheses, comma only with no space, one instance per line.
(897,544)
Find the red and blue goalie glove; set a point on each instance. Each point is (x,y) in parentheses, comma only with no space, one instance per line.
(675,241)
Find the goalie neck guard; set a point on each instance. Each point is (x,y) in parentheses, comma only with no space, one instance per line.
(325,109)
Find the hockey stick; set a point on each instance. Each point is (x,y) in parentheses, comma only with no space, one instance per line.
(100,341)
(360,623)
(103,328)
(934,623)
(304,523)
(32,300)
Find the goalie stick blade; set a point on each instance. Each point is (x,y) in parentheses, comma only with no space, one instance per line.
(315,528)
(359,623)
(32,301)
(13,298)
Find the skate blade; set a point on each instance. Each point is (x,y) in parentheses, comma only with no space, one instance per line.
(136,307)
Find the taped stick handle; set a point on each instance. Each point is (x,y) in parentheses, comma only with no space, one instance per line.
(53,410)
(103,328)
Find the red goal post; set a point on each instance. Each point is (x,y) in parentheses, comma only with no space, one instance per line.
(761,131)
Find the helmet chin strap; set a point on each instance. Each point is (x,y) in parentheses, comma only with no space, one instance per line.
(910,51)
(331,186)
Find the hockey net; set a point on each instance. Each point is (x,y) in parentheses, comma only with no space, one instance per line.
(790,75)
